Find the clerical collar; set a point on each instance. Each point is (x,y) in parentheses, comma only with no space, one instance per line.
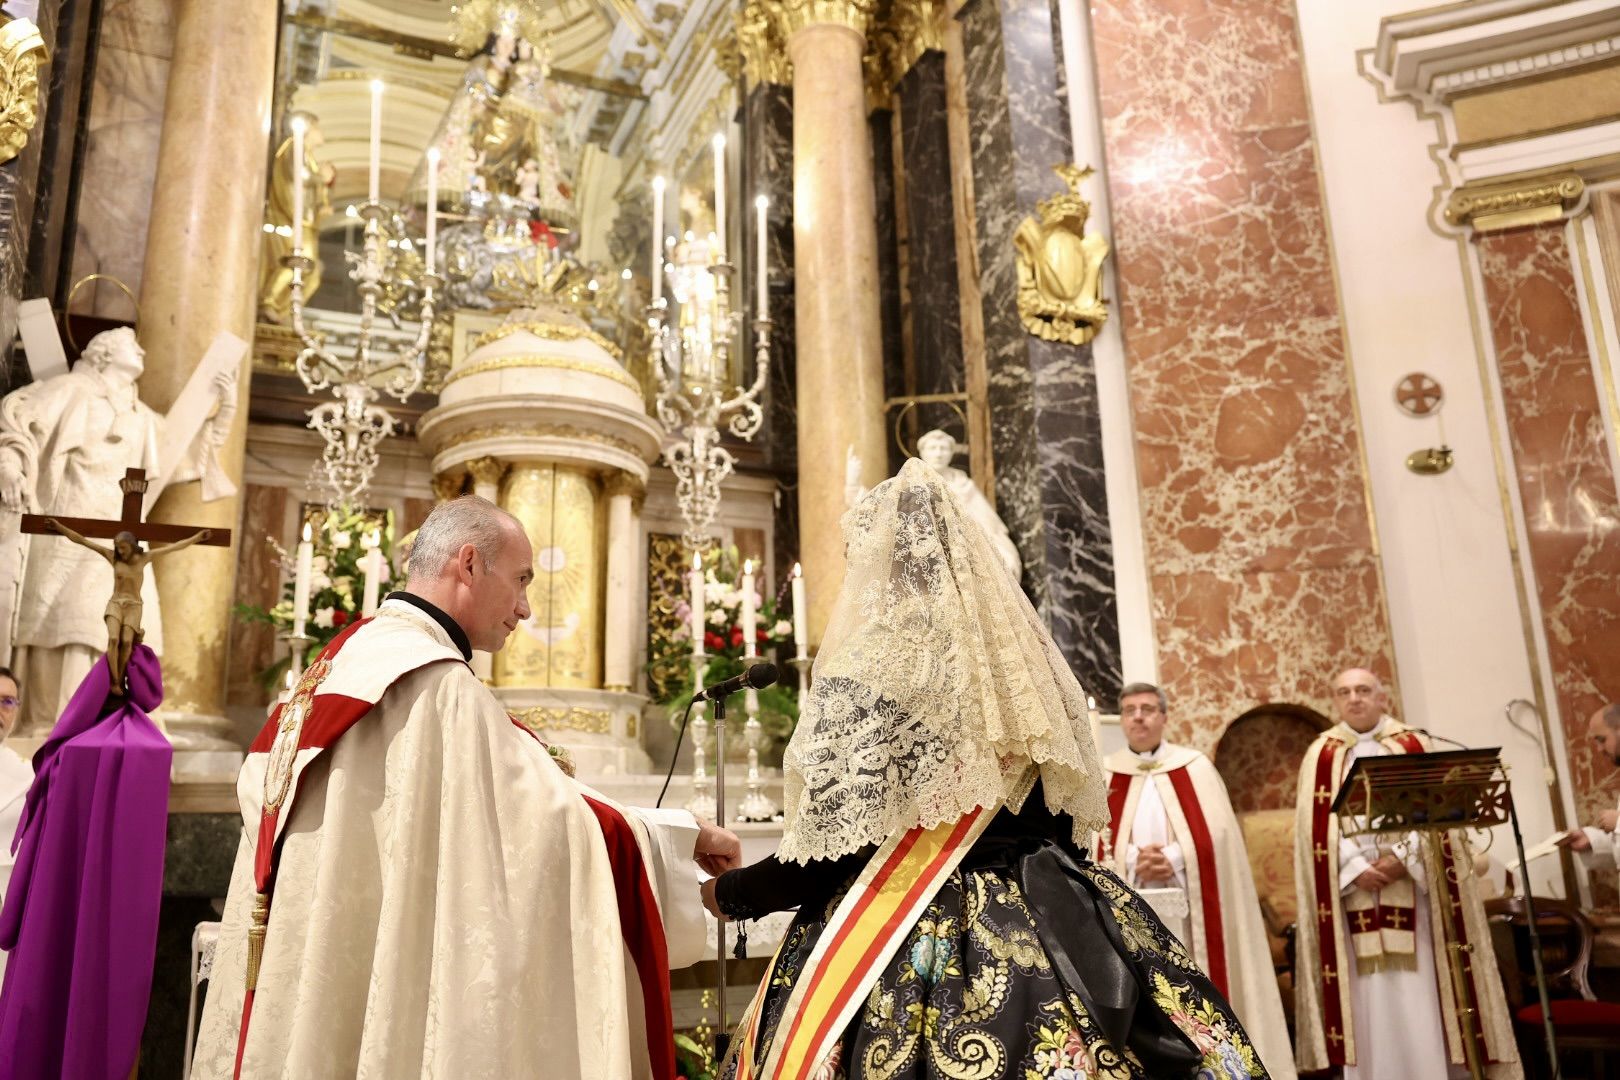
(1149,755)
(1376,732)
(458,636)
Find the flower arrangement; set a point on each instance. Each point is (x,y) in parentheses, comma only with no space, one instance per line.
(337,580)
(670,653)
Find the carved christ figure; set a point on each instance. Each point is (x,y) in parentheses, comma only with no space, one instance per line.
(129,572)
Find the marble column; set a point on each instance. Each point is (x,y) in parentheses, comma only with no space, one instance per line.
(486,473)
(1263,568)
(623,491)
(890,264)
(1563,464)
(201,276)
(840,346)
(19,188)
(1045,429)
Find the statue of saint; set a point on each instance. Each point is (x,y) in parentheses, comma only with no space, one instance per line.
(937,449)
(123,616)
(275,280)
(65,444)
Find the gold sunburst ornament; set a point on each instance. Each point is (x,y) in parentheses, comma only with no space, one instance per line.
(472,21)
(22,51)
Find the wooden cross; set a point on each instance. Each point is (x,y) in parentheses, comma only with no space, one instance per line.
(134,486)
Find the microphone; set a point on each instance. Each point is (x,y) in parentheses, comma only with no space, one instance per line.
(755,678)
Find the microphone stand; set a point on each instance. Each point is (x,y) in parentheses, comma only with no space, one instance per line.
(722,1031)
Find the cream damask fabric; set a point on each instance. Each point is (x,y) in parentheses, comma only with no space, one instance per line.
(936,685)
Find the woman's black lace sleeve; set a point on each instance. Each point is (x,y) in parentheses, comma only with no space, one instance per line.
(772,885)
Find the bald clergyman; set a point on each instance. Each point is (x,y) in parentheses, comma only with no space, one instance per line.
(1373,984)
(420,890)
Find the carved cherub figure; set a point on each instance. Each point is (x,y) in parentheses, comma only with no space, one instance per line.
(129,570)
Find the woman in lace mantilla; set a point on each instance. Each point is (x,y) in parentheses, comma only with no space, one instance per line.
(939,702)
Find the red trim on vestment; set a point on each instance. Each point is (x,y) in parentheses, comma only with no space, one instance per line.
(1119,789)
(1209,885)
(1324,864)
(643,930)
(267,734)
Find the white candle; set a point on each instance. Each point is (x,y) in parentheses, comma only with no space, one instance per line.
(750,648)
(762,302)
(699,615)
(373,570)
(432,204)
(657,241)
(298,185)
(306,556)
(376,137)
(720,198)
(801,615)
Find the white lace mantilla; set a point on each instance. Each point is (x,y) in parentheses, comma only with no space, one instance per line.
(936,687)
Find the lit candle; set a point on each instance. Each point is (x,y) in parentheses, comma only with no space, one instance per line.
(699,616)
(373,569)
(432,205)
(801,615)
(750,649)
(298,185)
(762,302)
(306,557)
(657,241)
(720,198)
(376,137)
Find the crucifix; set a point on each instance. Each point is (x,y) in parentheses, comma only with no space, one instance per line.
(127,559)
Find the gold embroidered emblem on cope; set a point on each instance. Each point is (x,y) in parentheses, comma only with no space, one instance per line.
(278,773)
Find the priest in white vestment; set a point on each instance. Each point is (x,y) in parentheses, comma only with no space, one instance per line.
(16,776)
(1598,843)
(1172,826)
(420,891)
(1374,991)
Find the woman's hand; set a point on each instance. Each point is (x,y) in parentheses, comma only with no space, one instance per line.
(709,900)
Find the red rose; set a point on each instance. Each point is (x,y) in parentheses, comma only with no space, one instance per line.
(339,618)
(762,635)
(736,636)
(712,640)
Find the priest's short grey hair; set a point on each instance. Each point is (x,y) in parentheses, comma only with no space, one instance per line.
(1132,689)
(469,519)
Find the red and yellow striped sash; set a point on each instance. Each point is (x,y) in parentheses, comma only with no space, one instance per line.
(870,923)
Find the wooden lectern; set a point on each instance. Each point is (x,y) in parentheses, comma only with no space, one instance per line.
(1433,794)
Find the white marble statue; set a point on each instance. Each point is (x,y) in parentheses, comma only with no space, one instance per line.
(937,448)
(65,443)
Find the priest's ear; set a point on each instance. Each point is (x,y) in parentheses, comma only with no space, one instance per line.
(468,560)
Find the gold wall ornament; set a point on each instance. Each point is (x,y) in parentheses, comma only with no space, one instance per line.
(794,15)
(486,470)
(541,718)
(899,38)
(549,332)
(539,431)
(1060,267)
(22,51)
(1493,207)
(448,485)
(1431,462)
(557,363)
(560,644)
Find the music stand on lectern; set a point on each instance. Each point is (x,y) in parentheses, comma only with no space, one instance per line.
(1432,794)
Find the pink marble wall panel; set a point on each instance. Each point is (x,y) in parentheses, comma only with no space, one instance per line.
(1262,564)
(1566,480)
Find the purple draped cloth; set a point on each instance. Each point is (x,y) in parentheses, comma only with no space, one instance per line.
(81,913)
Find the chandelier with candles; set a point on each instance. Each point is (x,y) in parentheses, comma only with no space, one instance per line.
(354,424)
(691,354)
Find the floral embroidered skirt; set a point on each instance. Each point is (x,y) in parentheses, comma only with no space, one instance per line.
(1029,963)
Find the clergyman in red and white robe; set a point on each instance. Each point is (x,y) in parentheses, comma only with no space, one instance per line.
(1374,989)
(1173,796)
(421,891)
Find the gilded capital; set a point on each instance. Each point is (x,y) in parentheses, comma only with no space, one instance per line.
(486,470)
(791,16)
(760,42)
(623,483)
(897,41)
(448,485)
(1535,201)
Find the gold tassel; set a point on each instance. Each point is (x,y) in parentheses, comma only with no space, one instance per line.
(261,922)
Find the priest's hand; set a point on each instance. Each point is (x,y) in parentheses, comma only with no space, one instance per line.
(709,900)
(1577,840)
(1391,867)
(1153,866)
(718,850)
(1372,879)
(1608,819)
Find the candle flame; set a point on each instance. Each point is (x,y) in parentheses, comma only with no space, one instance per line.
(658,184)
(720,142)
(748,566)
(290,679)
(298,124)
(433,155)
(306,532)
(376,87)
(798,570)
(697,560)
(762,202)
